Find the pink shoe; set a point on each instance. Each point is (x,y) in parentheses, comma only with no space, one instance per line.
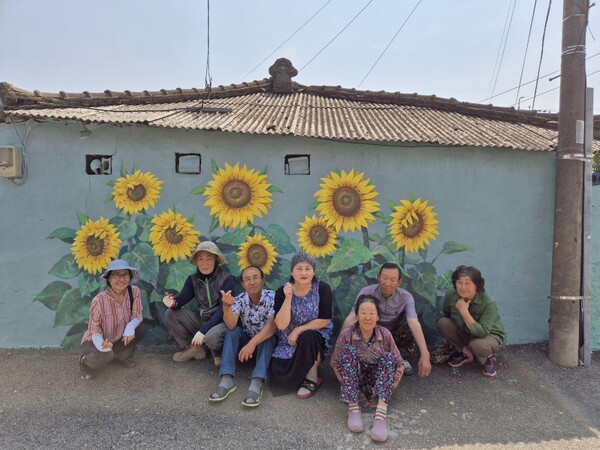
(355,423)
(379,431)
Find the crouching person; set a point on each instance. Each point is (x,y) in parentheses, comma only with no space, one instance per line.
(250,322)
(114,327)
(368,365)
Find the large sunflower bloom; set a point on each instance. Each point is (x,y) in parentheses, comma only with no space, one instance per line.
(316,237)
(257,251)
(95,245)
(137,191)
(173,236)
(347,201)
(413,225)
(236,195)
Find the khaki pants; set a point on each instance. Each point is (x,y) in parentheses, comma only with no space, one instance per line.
(184,324)
(482,348)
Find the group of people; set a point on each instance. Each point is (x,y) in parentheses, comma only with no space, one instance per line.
(288,332)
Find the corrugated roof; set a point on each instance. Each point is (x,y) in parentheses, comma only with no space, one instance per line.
(307,111)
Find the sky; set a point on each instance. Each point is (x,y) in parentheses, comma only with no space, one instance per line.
(470,50)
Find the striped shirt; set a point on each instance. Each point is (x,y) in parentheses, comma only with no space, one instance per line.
(108,318)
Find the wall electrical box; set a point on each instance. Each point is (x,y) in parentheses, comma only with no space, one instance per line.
(11,165)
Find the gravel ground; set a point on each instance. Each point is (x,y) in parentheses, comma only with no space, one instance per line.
(530,404)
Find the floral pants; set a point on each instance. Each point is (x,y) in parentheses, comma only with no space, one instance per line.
(371,379)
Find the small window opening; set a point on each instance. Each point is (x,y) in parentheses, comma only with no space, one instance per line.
(297,164)
(98,164)
(188,163)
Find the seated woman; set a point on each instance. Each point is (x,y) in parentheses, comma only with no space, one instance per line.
(303,311)
(201,325)
(114,327)
(471,322)
(367,362)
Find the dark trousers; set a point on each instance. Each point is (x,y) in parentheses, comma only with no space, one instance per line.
(95,359)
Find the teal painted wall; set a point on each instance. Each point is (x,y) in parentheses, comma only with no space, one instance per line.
(497,201)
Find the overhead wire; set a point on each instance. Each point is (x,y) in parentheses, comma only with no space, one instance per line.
(290,37)
(390,43)
(336,36)
(502,47)
(537,79)
(526,49)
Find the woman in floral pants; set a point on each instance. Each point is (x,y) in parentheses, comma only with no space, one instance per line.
(366,361)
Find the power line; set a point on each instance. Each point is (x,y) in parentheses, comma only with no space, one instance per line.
(526,48)
(336,36)
(284,42)
(502,48)
(541,54)
(390,43)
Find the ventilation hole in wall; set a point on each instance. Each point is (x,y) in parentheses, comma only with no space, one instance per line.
(98,164)
(188,163)
(297,164)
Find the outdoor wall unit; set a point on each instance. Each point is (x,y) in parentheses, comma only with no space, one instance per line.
(11,165)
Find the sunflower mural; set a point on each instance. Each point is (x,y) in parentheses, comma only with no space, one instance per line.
(259,252)
(347,201)
(95,245)
(159,246)
(316,237)
(413,225)
(136,192)
(173,237)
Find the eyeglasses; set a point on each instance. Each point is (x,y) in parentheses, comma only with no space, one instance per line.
(122,276)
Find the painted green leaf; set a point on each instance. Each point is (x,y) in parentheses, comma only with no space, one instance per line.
(144,224)
(233,264)
(385,252)
(445,282)
(350,254)
(279,238)
(155,335)
(146,306)
(178,273)
(334,280)
(424,281)
(197,191)
(423,253)
(125,227)
(74,335)
(142,257)
(264,170)
(66,268)
(455,247)
(72,309)
(156,297)
(346,292)
(314,205)
(214,223)
(235,238)
(82,218)
(64,234)
(392,204)
(274,189)
(380,215)
(87,283)
(123,170)
(51,295)
(372,273)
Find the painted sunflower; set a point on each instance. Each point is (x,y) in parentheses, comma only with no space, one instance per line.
(316,237)
(173,236)
(236,195)
(347,201)
(95,245)
(137,191)
(257,251)
(413,225)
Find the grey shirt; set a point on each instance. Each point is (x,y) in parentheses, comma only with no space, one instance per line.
(392,307)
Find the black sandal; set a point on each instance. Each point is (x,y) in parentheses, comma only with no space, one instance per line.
(310,386)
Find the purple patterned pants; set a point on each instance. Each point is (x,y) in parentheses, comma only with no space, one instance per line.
(371,379)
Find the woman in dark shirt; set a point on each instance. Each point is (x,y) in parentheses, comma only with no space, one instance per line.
(303,312)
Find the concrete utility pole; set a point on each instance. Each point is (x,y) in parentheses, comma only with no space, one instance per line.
(565,301)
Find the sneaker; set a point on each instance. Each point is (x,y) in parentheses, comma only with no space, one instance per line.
(459,359)
(84,371)
(190,353)
(408,370)
(489,369)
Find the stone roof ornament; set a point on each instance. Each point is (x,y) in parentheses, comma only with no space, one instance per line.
(282,72)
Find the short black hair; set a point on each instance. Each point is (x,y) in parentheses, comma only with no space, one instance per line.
(389,265)
(262,274)
(473,273)
(365,298)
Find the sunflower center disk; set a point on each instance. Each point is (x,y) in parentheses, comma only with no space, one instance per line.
(237,194)
(257,255)
(346,201)
(319,236)
(173,236)
(137,193)
(94,246)
(414,229)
